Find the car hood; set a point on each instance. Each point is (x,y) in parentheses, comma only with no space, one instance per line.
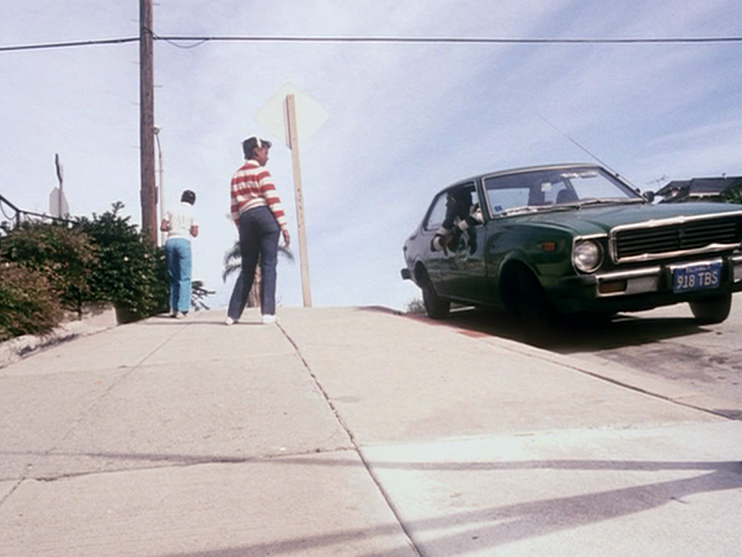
(593,219)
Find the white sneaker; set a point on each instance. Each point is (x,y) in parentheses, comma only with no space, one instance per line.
(229,321)
(267,319)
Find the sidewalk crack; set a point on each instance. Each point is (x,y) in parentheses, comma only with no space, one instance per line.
(356,446)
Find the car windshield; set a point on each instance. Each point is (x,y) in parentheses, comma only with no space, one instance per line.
(555,189)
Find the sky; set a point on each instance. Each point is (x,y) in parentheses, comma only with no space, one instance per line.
(404,119)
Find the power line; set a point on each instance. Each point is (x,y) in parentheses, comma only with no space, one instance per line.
(450,40)
(174,39)
(93,42)
(173,42)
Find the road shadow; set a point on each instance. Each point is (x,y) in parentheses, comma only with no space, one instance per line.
(499,525)
(569,336)
(490,525)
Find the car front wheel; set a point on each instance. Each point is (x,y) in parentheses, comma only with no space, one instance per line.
(525,298)
(710,311)
(435,306)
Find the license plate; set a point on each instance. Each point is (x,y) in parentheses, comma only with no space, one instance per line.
(702,276)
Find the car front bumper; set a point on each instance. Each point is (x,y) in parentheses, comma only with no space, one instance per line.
(640,288)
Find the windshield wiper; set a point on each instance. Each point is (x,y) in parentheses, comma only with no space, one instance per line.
(605,201)
(524,210)
(527,209)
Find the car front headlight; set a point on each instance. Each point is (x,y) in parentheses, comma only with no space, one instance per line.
(587,255)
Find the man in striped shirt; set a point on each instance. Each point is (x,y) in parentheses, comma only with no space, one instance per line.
(257,211)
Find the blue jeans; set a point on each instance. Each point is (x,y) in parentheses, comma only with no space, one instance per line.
(259,234)
(178,255)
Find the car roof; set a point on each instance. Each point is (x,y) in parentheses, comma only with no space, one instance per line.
(561,166)
(544,167)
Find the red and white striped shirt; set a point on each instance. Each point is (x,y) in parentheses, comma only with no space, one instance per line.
(252,186)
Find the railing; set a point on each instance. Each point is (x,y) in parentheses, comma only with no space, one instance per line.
(21,214)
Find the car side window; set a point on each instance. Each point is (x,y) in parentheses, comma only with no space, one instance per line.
(439,208)
(437,213)
(474,197)
(476,202)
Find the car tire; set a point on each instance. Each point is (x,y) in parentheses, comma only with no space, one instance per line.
(710,311)
(529,299)
(435,306)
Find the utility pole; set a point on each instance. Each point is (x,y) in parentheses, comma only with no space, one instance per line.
(148,191)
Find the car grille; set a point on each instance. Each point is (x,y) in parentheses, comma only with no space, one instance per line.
(677,238)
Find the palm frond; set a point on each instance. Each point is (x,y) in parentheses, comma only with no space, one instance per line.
(232,254)
(286,252)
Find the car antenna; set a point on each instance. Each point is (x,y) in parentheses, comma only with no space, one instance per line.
(580,146)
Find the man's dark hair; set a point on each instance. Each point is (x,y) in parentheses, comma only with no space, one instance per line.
(249,145)
(188,197)
(462,196)
(458,205)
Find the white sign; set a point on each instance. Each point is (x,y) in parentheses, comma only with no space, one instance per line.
(58,204)
(57,201)
(309,114)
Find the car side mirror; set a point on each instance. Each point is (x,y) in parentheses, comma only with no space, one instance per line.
(648,195)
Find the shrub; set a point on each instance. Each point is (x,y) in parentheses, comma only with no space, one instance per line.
(64,256)
(131,273)
(28,302)
(415,307)
(733,194)
(47,268)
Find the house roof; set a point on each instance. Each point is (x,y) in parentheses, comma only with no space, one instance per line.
(699,187)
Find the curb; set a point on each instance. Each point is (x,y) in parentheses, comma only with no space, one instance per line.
(95,320)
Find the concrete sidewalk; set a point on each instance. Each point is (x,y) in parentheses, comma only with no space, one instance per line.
(352,432)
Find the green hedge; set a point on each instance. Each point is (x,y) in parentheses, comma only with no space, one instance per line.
(46,269)
(733,194)
(29,304)
(131,273)
(65,256)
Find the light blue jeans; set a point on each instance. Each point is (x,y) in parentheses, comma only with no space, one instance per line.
(178,254)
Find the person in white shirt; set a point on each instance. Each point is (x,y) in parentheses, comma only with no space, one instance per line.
(180,225)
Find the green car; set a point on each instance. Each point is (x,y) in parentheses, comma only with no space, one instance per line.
(573,239)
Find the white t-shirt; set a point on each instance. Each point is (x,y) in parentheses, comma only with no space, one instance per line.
(181,220)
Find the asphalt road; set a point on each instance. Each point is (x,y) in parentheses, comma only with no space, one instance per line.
(663,342)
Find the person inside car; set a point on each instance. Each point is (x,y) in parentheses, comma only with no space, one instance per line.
(461,215)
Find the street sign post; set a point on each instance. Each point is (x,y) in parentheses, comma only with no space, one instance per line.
(57,202)
(296,116)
